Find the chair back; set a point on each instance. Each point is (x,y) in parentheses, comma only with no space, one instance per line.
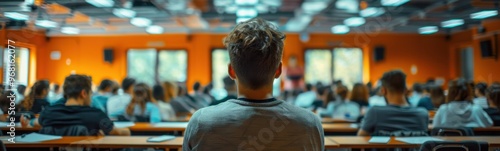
(454,146)
(439,131)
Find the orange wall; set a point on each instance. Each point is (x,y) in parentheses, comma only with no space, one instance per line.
(427,52)
(485,69)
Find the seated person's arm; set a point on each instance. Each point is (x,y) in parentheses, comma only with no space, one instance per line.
(368,124)
(120,131)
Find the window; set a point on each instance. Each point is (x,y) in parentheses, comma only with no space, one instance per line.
(21,65)
(172,65)
(148,65)
(220,60)
(318,66)
(348,65)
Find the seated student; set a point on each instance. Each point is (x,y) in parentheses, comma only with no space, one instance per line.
(434,97)
(164,94)
(21,90)
(143,107)
(306,99)
(255,50)
(480,92)
(378,99)
(117,103)
(4,105)
(360,95)
(183,103)
(416,94)
(207,90)
(201,98)
(100,99)
(36,100)
(344,108)
(230,87)
(425,101)
(398,115)
(459,110)
(77,110)
(55,94)
(494,101)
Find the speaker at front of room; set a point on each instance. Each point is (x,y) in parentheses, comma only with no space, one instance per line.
(379,54)
(108,55)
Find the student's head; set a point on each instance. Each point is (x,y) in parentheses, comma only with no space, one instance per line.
(79,88)
(158,92)
(418,87)
(39,90)
(493,94)
(437,95)
(360,92)
(170,91)
(128,85)
(115,88)
(21,89)
(480,89)
(255,49)
(197,87)
(140,96)
(342,92)
(393,83)
(459,90)
(106,86)
(56,88)
(5,101)
(229,84)
(292,61)
(309,87)
(208,88)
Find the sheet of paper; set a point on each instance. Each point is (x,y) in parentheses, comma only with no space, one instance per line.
(417,140)
(379,139)
(123,124)
(36,137)
(171,124)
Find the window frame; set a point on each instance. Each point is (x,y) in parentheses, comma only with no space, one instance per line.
(5,80)
(157,62)
(321,49)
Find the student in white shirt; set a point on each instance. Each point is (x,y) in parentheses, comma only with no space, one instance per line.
(164,94)
(459,110)
(378,99)
(306,99)
(480,91)
(117,103)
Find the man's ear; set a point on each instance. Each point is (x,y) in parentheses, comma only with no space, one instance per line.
(231,71)
(383,91)
(84,94)
(278,71)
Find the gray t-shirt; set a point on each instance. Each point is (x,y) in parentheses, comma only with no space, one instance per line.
(395,118)
(254,125)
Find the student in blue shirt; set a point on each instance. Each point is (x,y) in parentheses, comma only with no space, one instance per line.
(100,99)
(143,107)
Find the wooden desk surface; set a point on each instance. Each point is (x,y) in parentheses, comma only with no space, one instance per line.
(340,127)
(362,142)
(100,142)
(148,127)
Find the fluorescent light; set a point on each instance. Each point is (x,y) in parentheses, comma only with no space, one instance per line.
(231,9)
(124,13)
(393,2)
(274,3)
(354,21)
(16,16)
(340,29)
(246,13)
(371,12)
(155,29)
(46,23)
(222,3)
(239,20)
(246,2)
(313,7)
(484,14)
(452,23)
(348,5)
(101,3)
(140,22)
(70,30)
(428,30)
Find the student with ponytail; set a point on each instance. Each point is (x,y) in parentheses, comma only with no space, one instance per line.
(143,107)
(36,100)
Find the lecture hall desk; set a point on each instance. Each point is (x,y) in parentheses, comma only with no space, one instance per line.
(140,142)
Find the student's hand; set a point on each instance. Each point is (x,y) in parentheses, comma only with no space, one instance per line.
(101,133)
(25,122)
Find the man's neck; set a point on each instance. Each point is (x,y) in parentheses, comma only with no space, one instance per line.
(398,100)
(73,102)
(257,94)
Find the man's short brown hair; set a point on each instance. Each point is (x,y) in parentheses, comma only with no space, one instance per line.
(255,49)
